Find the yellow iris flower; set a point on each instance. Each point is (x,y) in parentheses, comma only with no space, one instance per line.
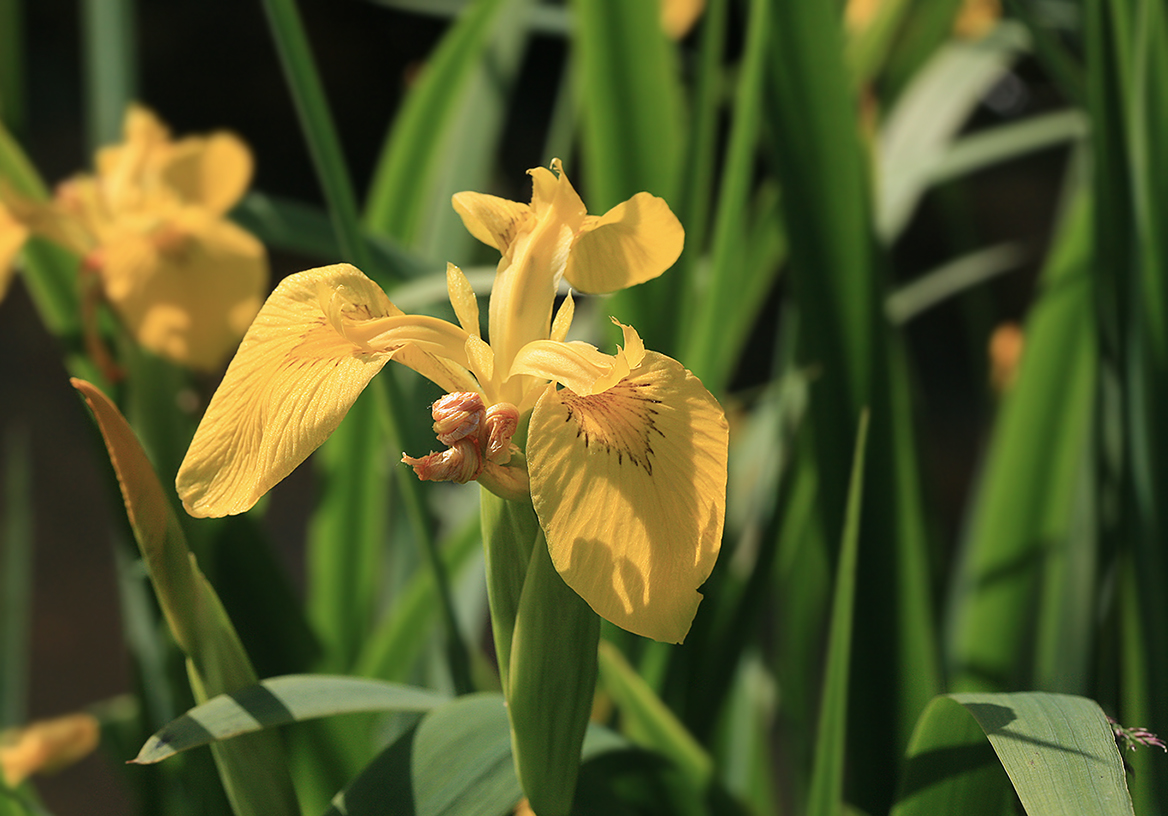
(150,225)
(625,456)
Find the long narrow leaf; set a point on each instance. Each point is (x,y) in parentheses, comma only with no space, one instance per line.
(419,144)
(254,771)
(827,776)
(279,701)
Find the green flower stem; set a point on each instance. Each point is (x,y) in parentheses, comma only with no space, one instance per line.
(552,681)
(317,122)
(510,530)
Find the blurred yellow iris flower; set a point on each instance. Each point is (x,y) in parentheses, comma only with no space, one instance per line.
(625,463)
(47,746)
(150,226)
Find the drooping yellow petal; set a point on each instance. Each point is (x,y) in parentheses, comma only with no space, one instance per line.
(630,488)
(13,234)
(633,242)
(318,340)
(494,221)
(212,171)
(291,383)
(188,290)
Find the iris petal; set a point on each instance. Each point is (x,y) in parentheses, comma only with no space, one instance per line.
(629,486)
(188,290)
(633,242)
(494,221)
(12,238)
(291,383)
(213,172)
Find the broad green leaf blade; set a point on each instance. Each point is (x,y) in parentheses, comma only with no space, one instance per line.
(827,775)
(254,772)
(720,291)
(951,768)
(927,116)
(1058,750)
(279,701)
(412,161)
(455,762)
(648,722)
(510,530)
(1030,477)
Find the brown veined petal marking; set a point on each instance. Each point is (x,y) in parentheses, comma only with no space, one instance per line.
(630,488)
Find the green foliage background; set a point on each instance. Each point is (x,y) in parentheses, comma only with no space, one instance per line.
(863,207)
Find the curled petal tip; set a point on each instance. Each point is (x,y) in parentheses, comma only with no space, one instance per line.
(459,463)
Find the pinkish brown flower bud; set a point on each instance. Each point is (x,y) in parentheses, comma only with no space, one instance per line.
(460,463)
(457,416)
(498,427)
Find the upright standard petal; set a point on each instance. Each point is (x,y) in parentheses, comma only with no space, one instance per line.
(630,488)
(291,383)
(494,221)
(212,171)
(633,242)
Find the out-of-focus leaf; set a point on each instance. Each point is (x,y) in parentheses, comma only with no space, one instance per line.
(1058,750)
(632,132)
(647,721)
(951,279)
(929,114)
(12,67)
(319,130)
(836,274)
(279,701)
(253,769)
(411,167)
(110,67)
(49,272)
(393,647)
(827,774)
(1007,142)
(1030,477)
(294,226)
(16,554)
(730,286)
